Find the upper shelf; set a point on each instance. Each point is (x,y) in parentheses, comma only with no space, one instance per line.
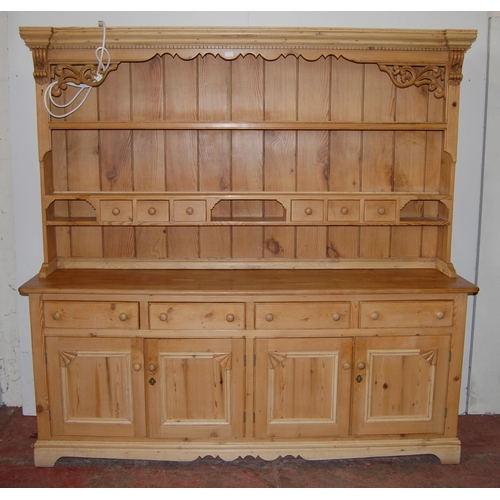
(231,125)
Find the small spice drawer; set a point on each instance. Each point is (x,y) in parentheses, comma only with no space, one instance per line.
(116,210)
(380,211)
(417,314)
(194,316)
(105,315)
(190,211)
(307,210)
(343,210)
(302,315)
(153,211)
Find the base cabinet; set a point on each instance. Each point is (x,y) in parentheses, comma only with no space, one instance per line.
(135,375)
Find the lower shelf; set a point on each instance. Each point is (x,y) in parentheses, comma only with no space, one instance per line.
(48,452)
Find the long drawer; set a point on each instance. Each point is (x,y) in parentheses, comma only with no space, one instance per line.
(194,315)
(419,314)
(302,315)
(82,314)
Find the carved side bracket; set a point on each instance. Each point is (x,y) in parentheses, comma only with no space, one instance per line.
(456,62)
(41,65)
(406,76)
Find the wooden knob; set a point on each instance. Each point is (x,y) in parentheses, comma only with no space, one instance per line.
(152,211)
(344,210)
(269,317)
(440,315)
(115,211)
(123,317)
(346,366)
(230,318)
(361,366)
(151,367)
(335,316)
(190,210)
(56,316)
(163,317)
(308,211)
(374,316)
(137,367)
(381,211)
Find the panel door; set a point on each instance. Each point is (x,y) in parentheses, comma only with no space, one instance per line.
(195,388)
(302,387)
(96,387)
(400,385)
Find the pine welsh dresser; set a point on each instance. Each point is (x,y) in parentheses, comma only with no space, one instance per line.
(247,239)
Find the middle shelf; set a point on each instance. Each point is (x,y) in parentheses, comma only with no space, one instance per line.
(246,208)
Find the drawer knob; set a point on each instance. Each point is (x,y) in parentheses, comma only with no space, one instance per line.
(152,211)
(56,316)
(115,211)
(344,210)
(440,315)
(151,367)
(374,316)
(361,366)
(230,318)
(336,316)
(381,211)
(137,367)
(346,366)
(308,211)
(190,210)
(163,317)
(269,317)
(123,317)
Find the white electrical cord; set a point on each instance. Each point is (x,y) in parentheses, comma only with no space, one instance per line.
(100,53)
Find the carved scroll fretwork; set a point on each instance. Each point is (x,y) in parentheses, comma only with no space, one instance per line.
(456,61)
(430,357)
(406,76)
(65,73)
(224,359)
(276,358)
(66,358)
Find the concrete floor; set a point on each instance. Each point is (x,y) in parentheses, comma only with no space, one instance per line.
(479,467)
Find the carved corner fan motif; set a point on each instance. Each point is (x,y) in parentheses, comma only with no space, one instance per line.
(406,76)
(276,358)
(224,359)
(66,358)
(430,357)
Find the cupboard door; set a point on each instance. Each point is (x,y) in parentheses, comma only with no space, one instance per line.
(303,387)
(195,388)
(400,385)
(96,387)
